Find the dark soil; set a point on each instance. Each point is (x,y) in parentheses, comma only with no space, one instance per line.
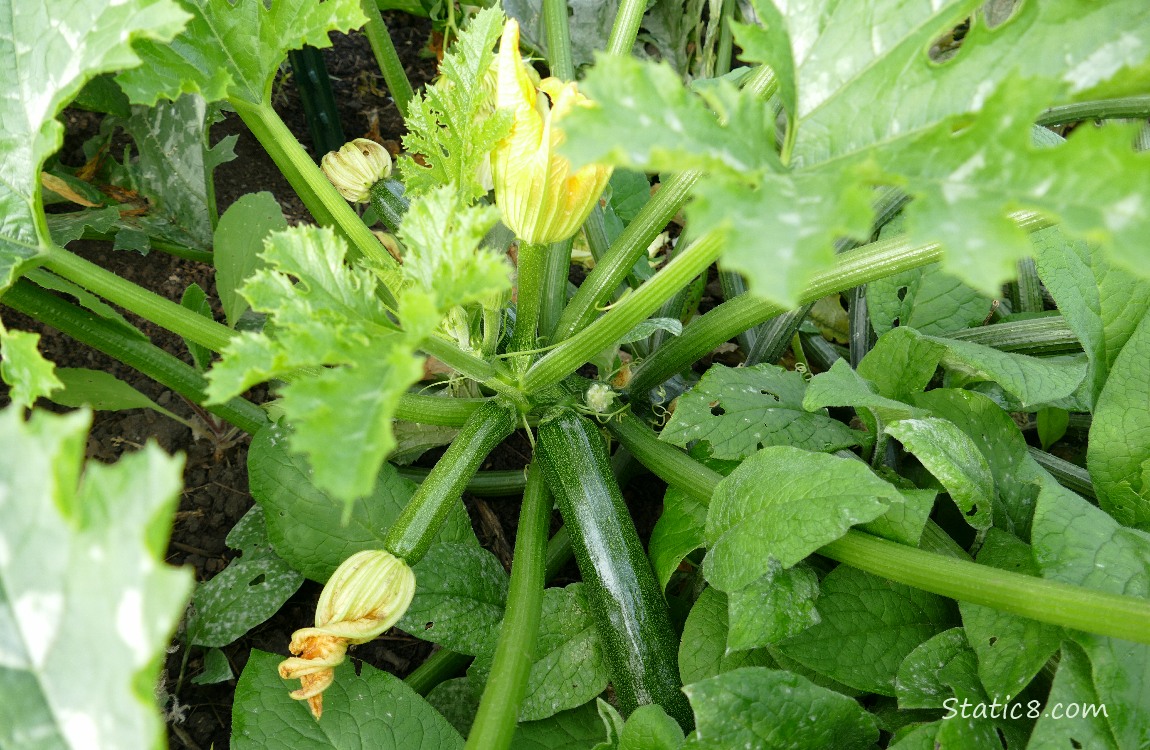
(215,492)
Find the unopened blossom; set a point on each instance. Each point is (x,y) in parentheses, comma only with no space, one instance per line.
(541,198)
(357,166)
(365,597)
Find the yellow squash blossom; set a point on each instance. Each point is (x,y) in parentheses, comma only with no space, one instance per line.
(541,199)
(357,166)
(365,596)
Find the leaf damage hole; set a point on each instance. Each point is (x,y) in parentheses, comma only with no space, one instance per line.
(429,626)
(717,410)
(993,640)
(972,512)
(257,580)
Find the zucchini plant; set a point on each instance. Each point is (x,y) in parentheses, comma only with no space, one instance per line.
(864,299)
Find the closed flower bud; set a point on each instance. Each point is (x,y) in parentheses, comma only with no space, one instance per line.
(365,597)
(356,167)
(541,199)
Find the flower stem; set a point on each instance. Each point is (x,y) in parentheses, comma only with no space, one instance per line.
(626,27)
(558,33)
(864,264)
(386,57)
(529,295)
(1039,599)
(320,197)
(498,709)
(568,356)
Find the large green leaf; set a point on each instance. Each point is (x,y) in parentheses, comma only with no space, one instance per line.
(354,708)
(84,592)
(50,50)
(1102,304)
(309,528)
(703,649)
(1075,542)
(768,708)
(1010,649)
(325,314)
(867,105)
(568,668)
(1073,686)
(246,593)
(1017,476)
(680,530)
(451,125)
(781,505)
(174,166)
(239,237)
(24,369)
(869,625)
(460,595)
(955,461)
(776,606)
(234,50)
(740,410)
(1118,454)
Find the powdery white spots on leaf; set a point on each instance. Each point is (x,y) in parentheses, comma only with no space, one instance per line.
(39,614)
(130,625)
(1125,212)
(81,730)
(1105,62)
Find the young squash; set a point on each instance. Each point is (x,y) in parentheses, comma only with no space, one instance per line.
(630,612)
(412,533)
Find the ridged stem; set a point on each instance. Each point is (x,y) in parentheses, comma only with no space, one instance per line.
(320,197)
(98,333)
(626,27)
(1106,109)
(136,299)
(859,266)
(628,313)
(532,272)
(1040,599)
(386,57)
(558,34)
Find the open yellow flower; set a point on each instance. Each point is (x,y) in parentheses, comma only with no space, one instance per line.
(365,596)
(541,199)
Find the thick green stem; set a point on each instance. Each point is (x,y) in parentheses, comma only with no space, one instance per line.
(628,313)
(554,298)
(320,197)
(499,708)
(171,248)
(531,275)
(99,333)
(507,483)
(437,410)
(386,57)
(626,27)
(1127,107)
(135,299)
(494,376)
(558,33)
(612,268)
(723,51)
(439,667)
(1029,287)
(1049,334)
(1037,598)
(859,266)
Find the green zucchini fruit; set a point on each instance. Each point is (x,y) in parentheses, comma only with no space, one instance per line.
(630,612)
(411,534)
